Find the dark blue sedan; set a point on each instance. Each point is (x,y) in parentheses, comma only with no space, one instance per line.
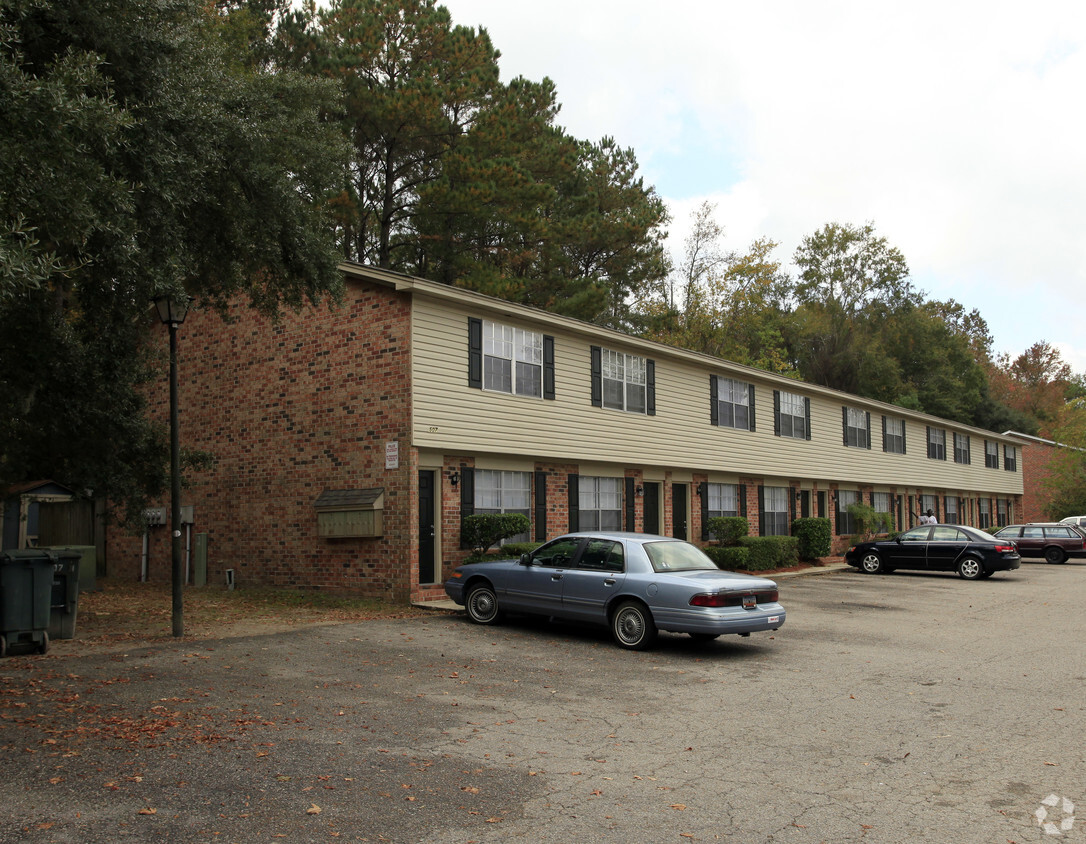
(634,583)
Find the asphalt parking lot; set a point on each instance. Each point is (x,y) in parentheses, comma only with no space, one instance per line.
(895,708)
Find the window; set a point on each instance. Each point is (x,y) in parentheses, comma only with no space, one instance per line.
(991,454)
(504,492)
(723,500)
(602,555)
(845,522)
(950,510)
(732,403)
(984,513)
(929,502)
(623,382)
(882,503)
(961,449)
(792,415)
(1010,458)
(893,435)
(1001,512)
(857,427)
(936,443)
(600,503)
(774,515)
(510,360)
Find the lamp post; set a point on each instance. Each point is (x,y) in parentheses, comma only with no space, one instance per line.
(172,312)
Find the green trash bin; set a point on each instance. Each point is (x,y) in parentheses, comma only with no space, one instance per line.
(64,601)
(26,584)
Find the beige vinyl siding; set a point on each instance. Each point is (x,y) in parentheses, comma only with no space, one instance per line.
(453,417)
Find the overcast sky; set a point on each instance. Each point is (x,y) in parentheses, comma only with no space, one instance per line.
(957,128)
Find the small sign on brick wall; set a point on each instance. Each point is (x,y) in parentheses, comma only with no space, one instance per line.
(392,455)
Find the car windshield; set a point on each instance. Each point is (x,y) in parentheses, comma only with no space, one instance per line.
(677,556)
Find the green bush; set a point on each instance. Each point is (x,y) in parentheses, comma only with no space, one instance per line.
(728,530)
(770,552)
(868,521)
(481,531)
(815,537)
(728,557)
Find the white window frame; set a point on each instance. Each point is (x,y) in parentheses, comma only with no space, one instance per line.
(599,503)
(792,407)
(733,403)
(723,500)
(895,435)
(961,449)
(775,511)
(936,443)
(991,454)
(512,360)
(624,379)
(498,491)
(856,433)
(844,517)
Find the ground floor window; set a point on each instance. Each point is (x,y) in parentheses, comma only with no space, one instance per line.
(1001,512)
(600,503)
(774,516)
(984,513)
(504,492)
(928,502)
(950,516)
(882,502)
(723,500)
(846,524)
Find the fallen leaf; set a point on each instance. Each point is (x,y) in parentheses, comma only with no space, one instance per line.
(313,809)
(148,811)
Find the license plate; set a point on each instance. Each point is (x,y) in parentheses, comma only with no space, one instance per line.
(749,602)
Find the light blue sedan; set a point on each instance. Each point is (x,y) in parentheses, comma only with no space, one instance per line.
(635,583)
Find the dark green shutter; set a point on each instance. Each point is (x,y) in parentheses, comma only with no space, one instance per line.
(761,510)
(597,376)
(807,415)
(630,505)
(869,430)
(750,405)
(548,367)
(703,494)
(467,498)
(650,387)
(714,402)
(573,485)
(776,413)
(844,424)
(475,352)
(540,506)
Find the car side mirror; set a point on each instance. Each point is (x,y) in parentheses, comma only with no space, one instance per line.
(525,559)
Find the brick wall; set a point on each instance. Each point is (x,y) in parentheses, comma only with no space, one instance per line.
(287,410)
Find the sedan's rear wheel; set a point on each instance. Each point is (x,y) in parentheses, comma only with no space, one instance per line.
(1055,554)
(872,563)
(482,604)
(970,569)
(632,626)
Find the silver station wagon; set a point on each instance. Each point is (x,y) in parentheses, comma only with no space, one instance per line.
(634,583)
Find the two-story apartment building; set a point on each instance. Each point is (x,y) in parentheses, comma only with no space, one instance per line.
(350,442)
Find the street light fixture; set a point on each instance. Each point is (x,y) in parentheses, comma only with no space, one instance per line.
(172,312)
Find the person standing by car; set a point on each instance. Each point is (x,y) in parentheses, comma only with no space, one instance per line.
(929,518)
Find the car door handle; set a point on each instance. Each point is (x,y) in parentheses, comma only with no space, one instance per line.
(556,576)
(610,582)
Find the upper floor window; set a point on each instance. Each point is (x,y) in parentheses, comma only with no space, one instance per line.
(857,427)
(623,382)
(961,448)
(936,443)
(512,360)
(731,403)
(991,455)
(791,415)
(1010,458)
(893,435)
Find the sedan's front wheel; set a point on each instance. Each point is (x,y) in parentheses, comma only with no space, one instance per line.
(632,626)
(482,604)
(872,563)
(970,569)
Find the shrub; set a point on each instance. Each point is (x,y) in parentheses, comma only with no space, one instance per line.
(728,530)
(814,535)
(868,521)
(728,557)
(481,531)
(770,552)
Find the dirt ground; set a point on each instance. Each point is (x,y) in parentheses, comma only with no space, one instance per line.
(129,613)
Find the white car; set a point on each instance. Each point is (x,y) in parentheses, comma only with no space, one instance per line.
(1077,521)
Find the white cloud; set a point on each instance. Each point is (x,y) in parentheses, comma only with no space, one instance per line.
(956,127)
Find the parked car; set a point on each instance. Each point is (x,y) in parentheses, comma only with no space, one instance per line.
(1053,541)
(972,553)
(634,583)
(1077,521)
